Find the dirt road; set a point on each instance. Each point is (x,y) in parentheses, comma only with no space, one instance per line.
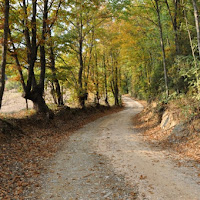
(107,159)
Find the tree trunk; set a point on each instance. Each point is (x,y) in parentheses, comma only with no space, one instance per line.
(162,47)
(81,93)
(53,92)
(176,6)
(196,16)
(42,47)
(116,87)
(193,53)
(15,55)
(174,23)
(58,92)
(34,91)
(88,65)
(4,50)
(97,82)
(55,80)
(26,104)
(114,83)
(105,81)
(39,103)
(30,44)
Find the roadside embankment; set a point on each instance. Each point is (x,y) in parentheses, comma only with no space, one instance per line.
(174,126)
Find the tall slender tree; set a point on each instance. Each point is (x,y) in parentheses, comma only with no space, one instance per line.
(4,49)
(157,8)
(196,17)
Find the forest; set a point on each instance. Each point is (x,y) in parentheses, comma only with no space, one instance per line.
(106,48)
(103,55)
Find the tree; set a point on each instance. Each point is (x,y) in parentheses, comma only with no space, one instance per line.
(82,18)
(196,17)
(33,37)
(156,6)
(176,5)
(6,7)
(59,97)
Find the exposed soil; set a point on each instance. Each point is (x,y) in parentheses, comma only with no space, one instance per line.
(13,102)
(108,159)
(185,141)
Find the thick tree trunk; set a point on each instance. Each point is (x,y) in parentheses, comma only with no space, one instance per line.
(39,103)
(81,92)
(34,91)
(30,44)
(4,50)
(115,92)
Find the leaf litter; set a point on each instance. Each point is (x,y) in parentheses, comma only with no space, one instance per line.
(23,157)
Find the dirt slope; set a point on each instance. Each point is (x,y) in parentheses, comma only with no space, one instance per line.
(107,159)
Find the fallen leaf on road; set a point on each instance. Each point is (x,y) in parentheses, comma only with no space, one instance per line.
(143,177)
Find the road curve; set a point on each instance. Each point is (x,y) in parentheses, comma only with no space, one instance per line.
(107,159)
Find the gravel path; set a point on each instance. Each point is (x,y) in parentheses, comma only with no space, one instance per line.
(107,159)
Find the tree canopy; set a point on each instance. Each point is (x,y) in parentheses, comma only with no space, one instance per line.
(100,49)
